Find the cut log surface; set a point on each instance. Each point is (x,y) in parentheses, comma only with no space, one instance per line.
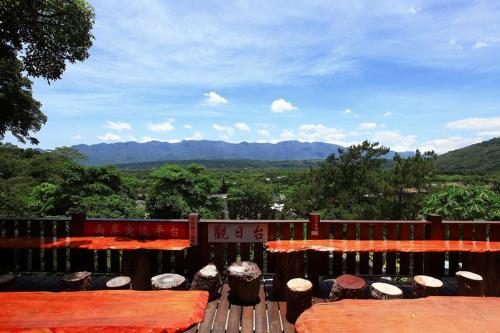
(119,283)
(347,286)
(299,298)
(424,286)
(77,281)
(7,281)
(244,280)
(288,266)
(168,282)
(469,284)
(380,290)
(208,278)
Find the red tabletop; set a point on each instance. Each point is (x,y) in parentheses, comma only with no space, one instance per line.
(102,311)
(341,245)
(432,314)
(96,243)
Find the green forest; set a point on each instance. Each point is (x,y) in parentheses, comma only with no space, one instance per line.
(356,184)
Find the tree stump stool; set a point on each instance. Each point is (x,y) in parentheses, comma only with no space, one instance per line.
(424,286)
(119,283)
(208,278)
(77,281)
(380,290)
(7,281)
(469,284)
(168,282)
(244,281)
(347,286)
(299,298)
(288,266)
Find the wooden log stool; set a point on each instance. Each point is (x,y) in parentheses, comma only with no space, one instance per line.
(119,283)
(289,265)
(424,286)
(347,286)
(469,284)
(380,290)
(208,278)
(299,298)
(77,281)
(7,281)
(168,282)
(244,280)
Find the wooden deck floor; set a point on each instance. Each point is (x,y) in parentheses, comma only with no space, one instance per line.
(225,315)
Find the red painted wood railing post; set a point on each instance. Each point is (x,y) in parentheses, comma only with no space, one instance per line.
(434,262)
(194,261)
(80,259)
(313,257)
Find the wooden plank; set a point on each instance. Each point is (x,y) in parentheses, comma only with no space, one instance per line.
(22,254)
(418,258)
(404,258)
(337,257)
(260,317)
(219,325)
(204,244)
(35,232)
(234,316)
(61,231)
(285,231)
(271,258)
(467,234)
(287,326)
(298,230)
(48,255)
(364,257)
(378,233)
(247,322)
(206,325)
(391,256)
(273,312)
(351,256)
(454,232)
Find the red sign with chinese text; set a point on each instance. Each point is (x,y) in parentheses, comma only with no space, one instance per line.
(314,220)
(237,233)
(136,229)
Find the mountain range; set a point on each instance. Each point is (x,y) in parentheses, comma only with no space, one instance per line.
(132,152)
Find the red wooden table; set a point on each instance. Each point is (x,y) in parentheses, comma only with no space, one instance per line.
(431,314)
(102,311)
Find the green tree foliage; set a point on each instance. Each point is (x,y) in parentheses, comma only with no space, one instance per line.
(37,38)
(178,191)
(463,203)
(250,200)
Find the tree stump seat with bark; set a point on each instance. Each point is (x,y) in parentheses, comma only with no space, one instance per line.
(77,281)
(208,278)
(7,281)
(168,281)
(119,283)
(385,291)
(469,284)
(424,286)
(244,281)
(299,298)
(347,286)
(289,265)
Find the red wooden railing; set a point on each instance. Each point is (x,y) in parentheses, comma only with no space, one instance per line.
(223,253)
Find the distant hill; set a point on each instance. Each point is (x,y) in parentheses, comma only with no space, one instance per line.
(480,158)
(132,152)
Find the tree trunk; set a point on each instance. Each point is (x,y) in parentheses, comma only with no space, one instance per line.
(119,283)
(208,278)
(347,286)
(385,291)
(288,266)
(244,280)
(424,286)
(299,298)
(77,281)
(168,281)
(470,284)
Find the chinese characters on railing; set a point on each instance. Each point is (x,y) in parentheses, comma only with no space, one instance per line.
(237,233)
(160,230)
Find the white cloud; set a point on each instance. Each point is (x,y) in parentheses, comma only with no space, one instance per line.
(368,125)
(319,132)
(110,137)
(188,126)
(194,136)
(447,144)
(280,105)
(242,127)
(161,127)
(148,139)
(264,133)
(76,137)
(489,133)
(287,135)
(224,131)
(482,43)
(214,99)
(395,140)
(475,123)
(387,114)
(118,126)
(347,111)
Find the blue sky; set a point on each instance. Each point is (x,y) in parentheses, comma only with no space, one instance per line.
(409,74)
